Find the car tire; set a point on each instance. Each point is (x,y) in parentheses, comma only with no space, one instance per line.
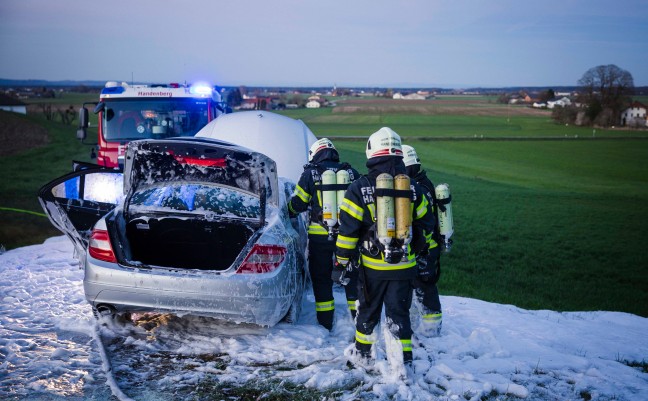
(295,307)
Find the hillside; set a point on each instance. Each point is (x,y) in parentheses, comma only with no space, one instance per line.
(18,134)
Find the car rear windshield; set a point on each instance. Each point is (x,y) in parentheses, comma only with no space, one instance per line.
(209,200)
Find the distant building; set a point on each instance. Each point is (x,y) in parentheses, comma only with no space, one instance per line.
(562,102)
(313,104)
(8,103)
(256,103)
(411,96)
(635,115)
(414,96)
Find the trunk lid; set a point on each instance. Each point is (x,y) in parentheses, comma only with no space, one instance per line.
(194,203)
(150,162)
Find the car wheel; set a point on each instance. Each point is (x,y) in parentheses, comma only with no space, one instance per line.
(295,307)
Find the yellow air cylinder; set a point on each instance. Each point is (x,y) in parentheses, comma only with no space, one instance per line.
(403,209)
(385,221)
(446,225)
(329,200)
(342,177)
(403,212)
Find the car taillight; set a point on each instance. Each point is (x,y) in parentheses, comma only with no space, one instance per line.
(263,259)
(99,246)
(201,161)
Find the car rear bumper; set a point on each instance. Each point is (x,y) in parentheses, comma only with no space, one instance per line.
(262,299)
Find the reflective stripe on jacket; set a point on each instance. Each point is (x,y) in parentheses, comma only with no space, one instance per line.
(357,216)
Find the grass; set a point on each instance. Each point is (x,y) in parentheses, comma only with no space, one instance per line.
(543,225)
(276,390)
(75,99)
(23,174)
(325,122)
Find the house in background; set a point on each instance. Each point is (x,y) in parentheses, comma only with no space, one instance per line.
(14,105)
(635,115)
(410,96)
(562,102)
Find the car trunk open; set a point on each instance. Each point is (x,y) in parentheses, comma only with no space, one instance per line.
(187,243)
(193,205)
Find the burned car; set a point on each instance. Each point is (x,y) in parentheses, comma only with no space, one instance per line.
(201,227)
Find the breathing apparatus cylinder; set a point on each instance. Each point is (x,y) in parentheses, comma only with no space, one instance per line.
(329,203)
(446,225)
(385,221)
(403,213)
(343,178)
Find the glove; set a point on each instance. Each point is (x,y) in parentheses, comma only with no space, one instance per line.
(338,275)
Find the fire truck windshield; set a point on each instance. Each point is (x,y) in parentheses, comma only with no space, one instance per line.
(126,120)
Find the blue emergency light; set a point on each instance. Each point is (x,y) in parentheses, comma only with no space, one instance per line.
(200,89)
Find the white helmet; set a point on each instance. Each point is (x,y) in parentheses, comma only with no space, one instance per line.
(410,157)
(320,144)
(384,142)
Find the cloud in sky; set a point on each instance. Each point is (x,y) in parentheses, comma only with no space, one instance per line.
(293,42)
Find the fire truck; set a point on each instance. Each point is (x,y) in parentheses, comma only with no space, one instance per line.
(129,112)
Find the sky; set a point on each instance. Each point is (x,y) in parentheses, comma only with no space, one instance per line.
(433,43)
(458,43)
(52,348)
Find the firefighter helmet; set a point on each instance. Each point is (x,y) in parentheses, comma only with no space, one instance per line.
(320,144)
(384,142)
(409,156)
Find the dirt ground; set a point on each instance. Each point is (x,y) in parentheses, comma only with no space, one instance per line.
(18,134)
(451,106)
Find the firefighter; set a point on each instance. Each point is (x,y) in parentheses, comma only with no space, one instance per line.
(382,281)
(425,286)
(308,194)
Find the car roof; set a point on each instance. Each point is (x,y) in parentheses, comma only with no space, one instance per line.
(283,139)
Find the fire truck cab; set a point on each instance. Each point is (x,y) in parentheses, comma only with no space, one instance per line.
(129,112)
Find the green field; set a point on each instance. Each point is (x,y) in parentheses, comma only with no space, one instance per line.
(542,224)
(476,124)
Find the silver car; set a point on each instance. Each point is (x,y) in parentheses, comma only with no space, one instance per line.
(192,226)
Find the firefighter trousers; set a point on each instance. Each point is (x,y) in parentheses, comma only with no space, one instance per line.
(427,294)
(320,265)
(396,296)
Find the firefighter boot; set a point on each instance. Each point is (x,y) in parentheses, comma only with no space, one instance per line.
(325,311)
(325,318)
(431,324)
(360,356)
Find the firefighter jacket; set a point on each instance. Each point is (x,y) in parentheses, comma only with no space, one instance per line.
(357,228)
(422,179)
(308,194)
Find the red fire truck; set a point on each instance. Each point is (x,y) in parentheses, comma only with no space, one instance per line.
(129,112)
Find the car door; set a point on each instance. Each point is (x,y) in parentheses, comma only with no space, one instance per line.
(76,201)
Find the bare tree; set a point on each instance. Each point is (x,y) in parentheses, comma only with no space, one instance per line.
(46,109)
(67,115)
(606,89)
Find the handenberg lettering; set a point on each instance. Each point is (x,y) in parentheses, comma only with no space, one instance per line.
(158,94)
